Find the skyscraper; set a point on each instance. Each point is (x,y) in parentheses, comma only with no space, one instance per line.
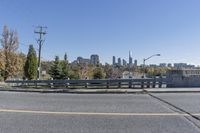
(124,62)
(94,59)
(119,62)
(135,63)
(130,58)
(114,61)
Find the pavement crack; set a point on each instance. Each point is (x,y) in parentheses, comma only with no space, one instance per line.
(177,110)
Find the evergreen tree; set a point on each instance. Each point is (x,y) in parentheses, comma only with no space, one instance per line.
(56,69)
(30,68)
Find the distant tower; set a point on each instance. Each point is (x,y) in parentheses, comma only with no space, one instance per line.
(124,62)
(65,57)
(114,62)
(130,58)
(94,59)
(135,63)
(119,62)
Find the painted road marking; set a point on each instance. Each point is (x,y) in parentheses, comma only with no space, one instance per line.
(94,113)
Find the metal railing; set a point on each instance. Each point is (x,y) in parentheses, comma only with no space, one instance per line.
(97,83)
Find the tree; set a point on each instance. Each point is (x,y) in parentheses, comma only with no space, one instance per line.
(109,71)
(30,68)
(2,63)
(56,69)
(9,42)
(74,72)
(98,73)
(46,66)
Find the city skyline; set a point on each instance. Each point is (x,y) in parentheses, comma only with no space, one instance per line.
(108,28)
(118,61)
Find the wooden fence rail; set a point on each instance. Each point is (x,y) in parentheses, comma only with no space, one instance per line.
(103,83)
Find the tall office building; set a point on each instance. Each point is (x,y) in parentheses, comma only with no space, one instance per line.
(135,63)
(130,58)
(94,59)
(124,62)
(114,61)
(119,62)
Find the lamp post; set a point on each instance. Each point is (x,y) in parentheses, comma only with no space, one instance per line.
(145,59)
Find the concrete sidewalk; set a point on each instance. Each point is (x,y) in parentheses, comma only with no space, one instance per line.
(172,90)
(151,90)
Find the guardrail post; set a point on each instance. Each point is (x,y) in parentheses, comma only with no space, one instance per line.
(66,84)
(51,84)
(160,82)
(142,83)
(36,86)
(107,85)
(130,84)
(86,85)
(119,84)
(154,82)
(148,84)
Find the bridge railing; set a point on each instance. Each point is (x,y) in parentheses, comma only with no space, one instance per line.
(96,83)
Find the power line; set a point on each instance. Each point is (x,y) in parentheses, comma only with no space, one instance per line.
(41,30)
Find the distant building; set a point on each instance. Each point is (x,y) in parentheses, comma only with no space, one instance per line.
(130,58)
(124,62)
(180,65)
(114,60)
(153,65)
(81,60)
(94,59)
(183,66)
(74,62)
(169,65)
(163,65)
(191,66)
(119,62)
(135,63)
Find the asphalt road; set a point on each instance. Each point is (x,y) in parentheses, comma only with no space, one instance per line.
(99,113)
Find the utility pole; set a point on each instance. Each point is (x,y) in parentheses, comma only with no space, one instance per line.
(41,30)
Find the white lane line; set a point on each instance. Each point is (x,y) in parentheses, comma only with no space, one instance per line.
(93,113)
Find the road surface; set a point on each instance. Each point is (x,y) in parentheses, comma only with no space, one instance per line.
(99,113)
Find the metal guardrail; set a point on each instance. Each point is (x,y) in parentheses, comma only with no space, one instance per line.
(102,83)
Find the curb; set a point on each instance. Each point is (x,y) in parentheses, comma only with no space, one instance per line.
(104,91)
(72,92)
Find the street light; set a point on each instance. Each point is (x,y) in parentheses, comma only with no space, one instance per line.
(145,59)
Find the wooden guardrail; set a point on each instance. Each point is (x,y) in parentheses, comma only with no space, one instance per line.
(103,83)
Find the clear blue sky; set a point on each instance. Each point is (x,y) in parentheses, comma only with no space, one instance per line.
(109,27)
